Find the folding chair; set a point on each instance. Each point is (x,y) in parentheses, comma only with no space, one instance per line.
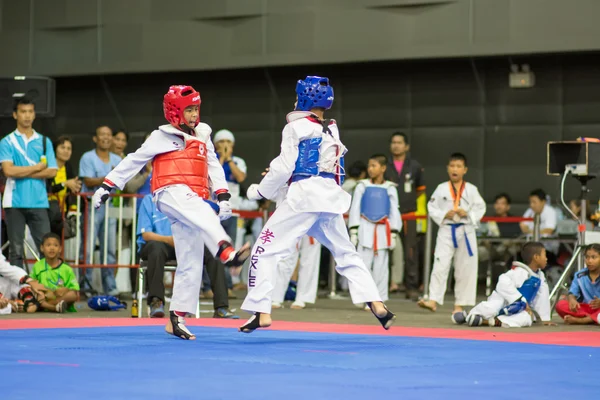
(170,266)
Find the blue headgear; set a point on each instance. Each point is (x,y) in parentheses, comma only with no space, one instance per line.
(102,303)
(314,91)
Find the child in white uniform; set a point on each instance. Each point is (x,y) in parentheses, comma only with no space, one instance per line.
(457,208)
(375,221)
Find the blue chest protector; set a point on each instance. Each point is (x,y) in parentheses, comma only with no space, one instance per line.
(308,157)
(529,291)
(375,204)
(530,288)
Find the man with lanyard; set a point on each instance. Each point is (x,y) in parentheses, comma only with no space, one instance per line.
(27,159)
(407,173)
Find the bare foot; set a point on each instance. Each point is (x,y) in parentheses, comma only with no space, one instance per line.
(457,309)
(430,305)
(298,305)
(571,320)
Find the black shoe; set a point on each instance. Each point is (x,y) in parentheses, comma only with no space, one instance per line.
(224,312)
(157,308)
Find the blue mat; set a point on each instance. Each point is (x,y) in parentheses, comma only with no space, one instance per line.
(144,363)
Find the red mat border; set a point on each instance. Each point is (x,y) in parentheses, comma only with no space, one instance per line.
(585,338)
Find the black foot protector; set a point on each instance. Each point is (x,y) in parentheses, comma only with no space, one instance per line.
(386,321)
(252,324)
(230,257)
(179,328)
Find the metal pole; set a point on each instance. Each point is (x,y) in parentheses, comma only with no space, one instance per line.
(78,230)
(91,247)
(120,231)
(105,255)
(582,227)
(134,234)
(564,275)
(536,228)
(332,276)
(427,267)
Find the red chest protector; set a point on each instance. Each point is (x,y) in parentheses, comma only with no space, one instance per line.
(183,167)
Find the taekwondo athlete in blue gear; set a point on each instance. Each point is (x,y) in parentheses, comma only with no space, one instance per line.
(314,205)
(519,290)
(375,221)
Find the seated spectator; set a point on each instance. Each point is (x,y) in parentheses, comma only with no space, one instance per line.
(502,204)
(356,172)
(575,206)
(58,278)
(61,187)
(583,302)
(155,241)
(18,291)
(538,205)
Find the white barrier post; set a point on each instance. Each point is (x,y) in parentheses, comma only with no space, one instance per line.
(427,266)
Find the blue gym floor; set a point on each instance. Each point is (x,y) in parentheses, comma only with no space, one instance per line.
(145,363)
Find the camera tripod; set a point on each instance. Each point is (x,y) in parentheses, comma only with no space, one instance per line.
(584,237)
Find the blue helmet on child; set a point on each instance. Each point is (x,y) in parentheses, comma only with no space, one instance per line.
(314,91)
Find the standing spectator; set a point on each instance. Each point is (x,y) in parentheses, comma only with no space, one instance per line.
(119,143)
(27,160)
(62,185)
(93,167)
(407,173)
(235,173)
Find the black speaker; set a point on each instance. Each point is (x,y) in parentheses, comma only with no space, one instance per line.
(40,89)
(584,155)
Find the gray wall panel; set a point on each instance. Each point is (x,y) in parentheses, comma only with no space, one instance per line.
(248,33)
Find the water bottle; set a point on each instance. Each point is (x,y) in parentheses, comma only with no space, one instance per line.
(134,309)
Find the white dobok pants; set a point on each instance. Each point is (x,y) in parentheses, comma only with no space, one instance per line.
(308,272)
(465,265)
(278,240)
(194,224)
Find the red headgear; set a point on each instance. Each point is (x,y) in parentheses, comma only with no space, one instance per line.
(177,99)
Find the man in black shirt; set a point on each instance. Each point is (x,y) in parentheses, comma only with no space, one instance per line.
(407,173)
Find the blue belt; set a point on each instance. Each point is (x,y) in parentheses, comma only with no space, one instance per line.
(296,178)
(455,242)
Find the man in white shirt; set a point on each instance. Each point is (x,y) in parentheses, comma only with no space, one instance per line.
(548,218)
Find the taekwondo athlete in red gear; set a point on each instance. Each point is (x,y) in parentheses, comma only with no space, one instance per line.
(310,162)
(184,170)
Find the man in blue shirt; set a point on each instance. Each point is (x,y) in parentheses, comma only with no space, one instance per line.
(27,159)
(93,167)
(155,245)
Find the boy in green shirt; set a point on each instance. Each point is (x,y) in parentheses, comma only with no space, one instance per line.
(57,277)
